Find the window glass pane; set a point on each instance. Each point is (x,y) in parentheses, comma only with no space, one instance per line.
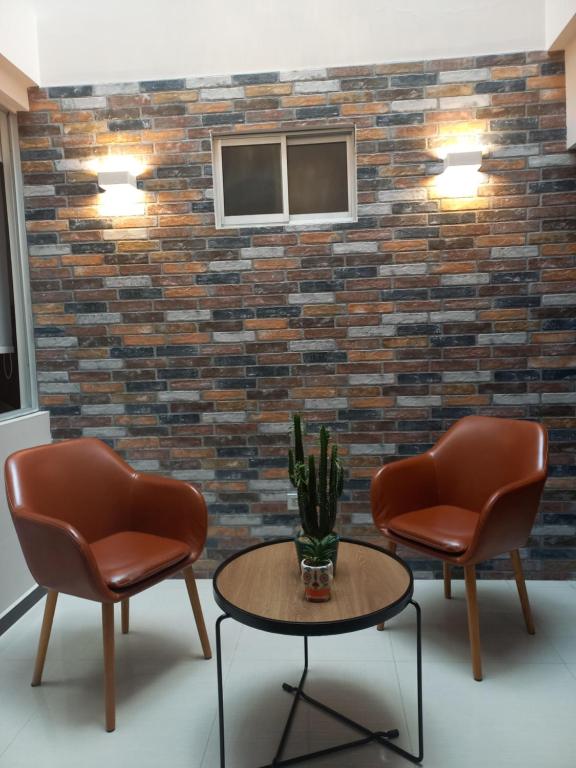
(252,179)
(9,379)
(318,178)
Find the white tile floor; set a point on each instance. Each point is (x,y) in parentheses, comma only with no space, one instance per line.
(521,715)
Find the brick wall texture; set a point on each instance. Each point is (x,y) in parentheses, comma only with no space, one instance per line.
(187,348)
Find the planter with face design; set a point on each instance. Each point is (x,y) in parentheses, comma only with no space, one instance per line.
(317,579)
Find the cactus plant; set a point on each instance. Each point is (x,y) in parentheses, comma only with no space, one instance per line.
(318,492)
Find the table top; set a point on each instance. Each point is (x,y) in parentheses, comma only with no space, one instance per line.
(261,587)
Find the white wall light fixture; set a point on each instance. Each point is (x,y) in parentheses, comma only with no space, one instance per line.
(117,181)
(461,176)
(458,161)
(121,195)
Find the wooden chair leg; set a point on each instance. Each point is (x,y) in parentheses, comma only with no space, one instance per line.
(125,608)
(522,593)
(109,684)
(473,624)
(197,610)
(391,548)
(49,609)
(447,580)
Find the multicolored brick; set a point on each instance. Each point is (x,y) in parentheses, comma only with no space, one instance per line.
(187,348)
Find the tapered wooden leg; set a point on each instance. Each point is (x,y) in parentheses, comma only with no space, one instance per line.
(197,610)
(125,608)
(522,593)
(109,685)
(391,548)
(447,580)
(49,609)
(473,624)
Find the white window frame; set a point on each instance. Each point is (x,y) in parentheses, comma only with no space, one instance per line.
(9,153)
(284,139)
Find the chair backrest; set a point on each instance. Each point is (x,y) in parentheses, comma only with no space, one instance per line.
(82,482)
(481,454)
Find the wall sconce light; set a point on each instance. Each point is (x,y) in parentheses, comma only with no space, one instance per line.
(470,161)
(117,181)
(461,177)
(117,177)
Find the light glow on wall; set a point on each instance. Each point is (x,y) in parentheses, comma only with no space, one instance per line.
(110,163)
(117,175)
(461,176)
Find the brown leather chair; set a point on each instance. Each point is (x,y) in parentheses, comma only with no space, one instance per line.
(471,497)
(90,526)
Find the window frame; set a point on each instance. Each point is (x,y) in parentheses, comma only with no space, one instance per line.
(9,154)
(266,219)
(284,139)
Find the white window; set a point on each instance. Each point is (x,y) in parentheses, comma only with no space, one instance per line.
(284,178)
(17,367)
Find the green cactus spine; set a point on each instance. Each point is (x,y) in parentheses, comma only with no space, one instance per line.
(318,492)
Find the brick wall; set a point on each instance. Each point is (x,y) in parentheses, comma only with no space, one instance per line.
(188,348)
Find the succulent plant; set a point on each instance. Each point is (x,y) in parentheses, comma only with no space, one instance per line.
(319,551)
(318,492)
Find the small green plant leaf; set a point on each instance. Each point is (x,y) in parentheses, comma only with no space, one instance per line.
(319,551)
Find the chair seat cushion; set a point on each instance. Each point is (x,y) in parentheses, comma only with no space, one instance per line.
(449,529)
(126,558)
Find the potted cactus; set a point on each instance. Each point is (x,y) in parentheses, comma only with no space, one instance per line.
(318,490)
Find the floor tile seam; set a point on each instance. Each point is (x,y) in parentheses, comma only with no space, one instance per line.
(397,673)
(33,714)
(549,639)
(566,664)
(404,707)
(208,740)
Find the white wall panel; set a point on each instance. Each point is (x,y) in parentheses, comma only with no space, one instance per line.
(15,578)
(126,40)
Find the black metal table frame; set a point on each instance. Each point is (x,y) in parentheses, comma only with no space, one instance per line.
(384,738)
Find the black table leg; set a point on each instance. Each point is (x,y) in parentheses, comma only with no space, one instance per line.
(220,692)
(420,755)
(384,738)
(299,692)
(381,737)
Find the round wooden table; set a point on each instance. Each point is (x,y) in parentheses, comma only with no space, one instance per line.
(261,587)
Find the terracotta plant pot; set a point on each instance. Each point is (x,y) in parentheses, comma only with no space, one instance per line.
(317,580)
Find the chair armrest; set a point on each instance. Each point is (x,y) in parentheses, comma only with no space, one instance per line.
(59,557)
(507,518)
(167,507)
(403,486)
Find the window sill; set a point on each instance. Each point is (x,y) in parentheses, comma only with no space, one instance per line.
(292,224)
(18,414)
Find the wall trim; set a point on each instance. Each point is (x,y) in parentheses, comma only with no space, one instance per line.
(21,607)
(14,86)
